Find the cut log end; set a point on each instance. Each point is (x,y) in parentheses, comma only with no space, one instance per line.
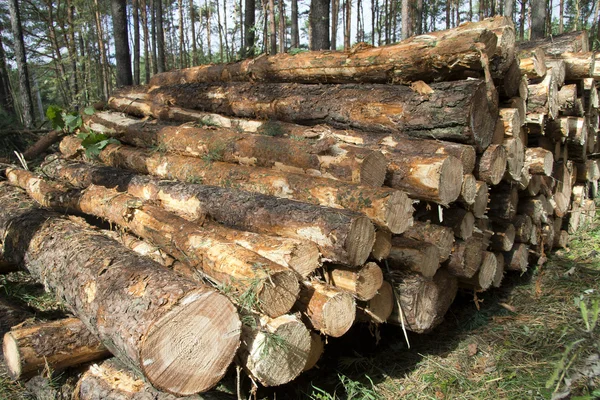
(382,246)
(380,307)
(492,164)
(339,314)
(373,169)
(468,191)
(483,118)
(317,347)
(398,213)
(274,297)
(451,178)
(360,240)
(12,356)
(203,343)
(304,258)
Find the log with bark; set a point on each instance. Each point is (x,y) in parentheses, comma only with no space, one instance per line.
(468,191)
(348,238)
(555,45)
(532,63)
(363,283)
(421,303)
(504,236)
(436,56)
(504,200)
(543,97)
(274,287)
(523,227)
(504,29)
(265,149)
(414,255)
(456,111)
(580,65)
(57,345)
(139,246)
(517,259)
(389,208)
(539,161)
(440,236)
(567,97)
(142,313)
(482,196)
(465,258)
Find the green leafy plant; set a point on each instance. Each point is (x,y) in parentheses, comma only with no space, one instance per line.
(93,143)
(68,122)
(271,128)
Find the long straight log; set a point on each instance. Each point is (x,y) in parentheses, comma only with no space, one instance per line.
(57,344)
(467,116)
(267,150)
(274,286)
(348,238)
(555,45)
(389,208)
(436,56)
(148,316)
(580,65)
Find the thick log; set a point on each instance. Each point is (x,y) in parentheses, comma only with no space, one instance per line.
(504,200)
(421,303)
(387,207)
(523,225)
(382,246)
(414,255)
(484,278)
(504,29)
(539,161)
(555,45)
(492,164)
(509,82)
(468,191)
(363,283)
(542,97)
(467,115)
(511,120)
(57,345)
(436,56)
(567,96)
(520,105)
(465,258)
(113,380)
(326,308)
(497,281)
(440,236)
(96,277)
(532,63)
(265,149)
(348,238)
(379,308)
(580,65)
(275,351)
(274,286)
(517,259)
(537,208)
(317,348)
(461,221)
(436,178)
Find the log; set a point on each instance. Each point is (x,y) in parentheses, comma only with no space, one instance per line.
(326,308)
(461,221)
(265,149)
(157,300)
(539,161)
(275,351)
(42,144)
(504,200)
(414,255)
(383,245)
(532,63)
(387,207)
(558,68)
(141,247)
(440,236)
(436,56)
(468,191)
(492,164)
(466,258)
(423,302)
(379,308)
(497,281)
(317,348)
(113,380)
(567,97)
(517,259)
(537,208)
(555,45)
(504,236)
(535,185)
(588,171)
(484,278)
(347,238)
(56,345)
(515,157)
(542,97)
(467,115)
(481,200)
(11,314)
(508,83)
(523,226)
(363,283)
(245,273)
(511,121)
(580,65)
(436,178)
(504,29)
(5,266)
(520,105)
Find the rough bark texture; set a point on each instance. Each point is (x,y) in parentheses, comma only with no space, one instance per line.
(386,207)
(437,56)
(348,238)
(57,345)
(457,111)
(580,65)
(423,302)
(556,45)
(128,301)
(440,236)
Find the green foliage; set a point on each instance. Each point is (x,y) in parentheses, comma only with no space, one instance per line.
(354,390)
(272,342)
(94,142)
(54,114)
(271,128)
(67,122)
(296,50)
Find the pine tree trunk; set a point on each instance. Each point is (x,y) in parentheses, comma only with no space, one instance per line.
(160,37)
(347,25)
(319,24)
(538,19)
(249,27)
(136,42)
(122,55)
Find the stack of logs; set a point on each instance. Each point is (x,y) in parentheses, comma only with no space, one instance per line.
(284,199)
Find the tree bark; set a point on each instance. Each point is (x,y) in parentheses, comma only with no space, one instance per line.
(57,345)
(122,55)
(441,56)
(21,59)
(538,19)
(572,42)
(136,42)
(131,303)
(388,208)
(249,27)
(295,31)
(319,24)
(467,115)
(160,37)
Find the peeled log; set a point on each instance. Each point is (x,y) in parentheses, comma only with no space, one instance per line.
(423,302)
(441,55)
(56,345)
(386,207)
(379,308)
(327,309)
(363,283)
(162,309)
(492,164)
(465,258)
(274,362)
(517,259)
(321,157)
(414,255)
(347,238)
(456,111)
(440,236)
(274,286)
(436,178)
